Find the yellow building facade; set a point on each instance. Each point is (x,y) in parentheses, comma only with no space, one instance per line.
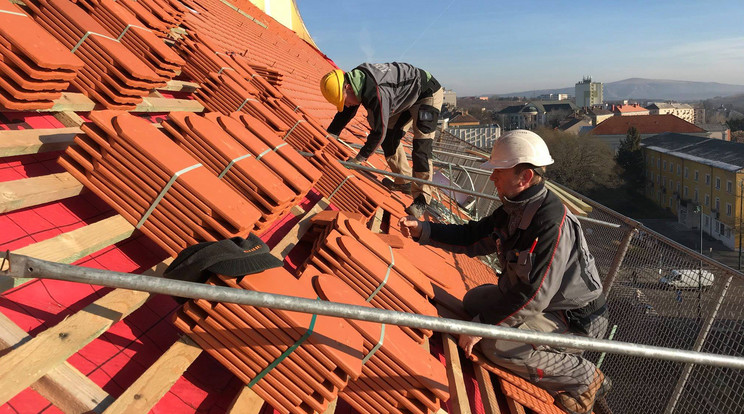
(680,180)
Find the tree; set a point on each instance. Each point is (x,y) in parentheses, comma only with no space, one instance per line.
(629,158)
(582,163)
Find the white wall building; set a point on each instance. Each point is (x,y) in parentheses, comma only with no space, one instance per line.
(480,136)
(589,93)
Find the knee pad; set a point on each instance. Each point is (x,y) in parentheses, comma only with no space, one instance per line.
(427,118)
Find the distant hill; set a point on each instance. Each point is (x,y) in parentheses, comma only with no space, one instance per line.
(651,89)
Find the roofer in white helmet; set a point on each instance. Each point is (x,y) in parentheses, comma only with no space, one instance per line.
(548,280)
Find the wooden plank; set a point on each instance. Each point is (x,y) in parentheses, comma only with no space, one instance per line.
(295,234)
(377,220)
(565,195)
(28,192)
(331,407)
(32,141)
(26,364)
(69,119)
(180,86)
(77,102)
(567,201)
(73,245)
(70,101)
(149,388)
(167,105)
(64,386)
(458,401)
(246,402)
(514,407)
(488,393)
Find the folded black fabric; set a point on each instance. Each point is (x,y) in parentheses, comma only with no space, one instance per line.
(230,257)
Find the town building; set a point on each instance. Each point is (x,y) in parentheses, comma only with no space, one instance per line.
(599,114)
(629,110)
(684,111)
(699,180)
(588,93)
(535,114)
(449,98)
(615,129)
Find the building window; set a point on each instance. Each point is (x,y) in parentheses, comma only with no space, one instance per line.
(686,191)
(679,169)
(707,199)
(718,183)
(718,204)
(707,179)
(658,163)
(729,209)
(679,185)
(670,202)
(696,195)
(665,165)
(687,172)
(696,175)
(671,166)
(729,186)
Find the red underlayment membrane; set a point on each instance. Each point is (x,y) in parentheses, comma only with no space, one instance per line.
(253,160)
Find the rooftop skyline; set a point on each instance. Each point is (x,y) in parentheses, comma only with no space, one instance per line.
(485,47)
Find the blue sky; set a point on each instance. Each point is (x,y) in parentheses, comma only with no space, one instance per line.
(484,47)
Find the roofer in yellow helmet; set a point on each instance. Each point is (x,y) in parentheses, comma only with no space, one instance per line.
(396,97)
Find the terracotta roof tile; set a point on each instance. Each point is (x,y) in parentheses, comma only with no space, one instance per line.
(645,124)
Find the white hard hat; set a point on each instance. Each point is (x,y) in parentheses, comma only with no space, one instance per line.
(516,147)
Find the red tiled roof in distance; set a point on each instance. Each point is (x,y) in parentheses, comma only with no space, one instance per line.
(645,124)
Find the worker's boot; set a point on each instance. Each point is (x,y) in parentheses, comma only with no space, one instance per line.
(418,207)
(584,404)
(391,185)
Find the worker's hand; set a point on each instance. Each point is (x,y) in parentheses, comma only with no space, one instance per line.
(410,227)
(467,343)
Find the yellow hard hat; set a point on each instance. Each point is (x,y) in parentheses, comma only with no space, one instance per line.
(332,86)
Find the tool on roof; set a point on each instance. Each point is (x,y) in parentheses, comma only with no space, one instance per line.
(19,266)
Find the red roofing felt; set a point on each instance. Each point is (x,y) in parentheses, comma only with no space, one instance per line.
(258,82)
(645,124)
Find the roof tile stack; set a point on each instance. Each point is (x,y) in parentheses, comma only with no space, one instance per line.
(140,40)
(398,376)
(113,76)
(34,67)
(230,84)
(345,188)
(158,15)
(385,279)
(296,362)
(154,184)
(208,142)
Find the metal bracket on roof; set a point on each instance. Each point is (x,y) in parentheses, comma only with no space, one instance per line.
(85,36)
(127,29)
(14,13)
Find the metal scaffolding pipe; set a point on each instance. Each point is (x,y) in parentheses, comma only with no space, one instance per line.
(19,266)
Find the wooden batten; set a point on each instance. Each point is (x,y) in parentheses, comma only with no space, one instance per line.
(458,401)
(30,361)
(488,393)
(33,141)
(64,386)
(71,246)
(29,192)
(150,387)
